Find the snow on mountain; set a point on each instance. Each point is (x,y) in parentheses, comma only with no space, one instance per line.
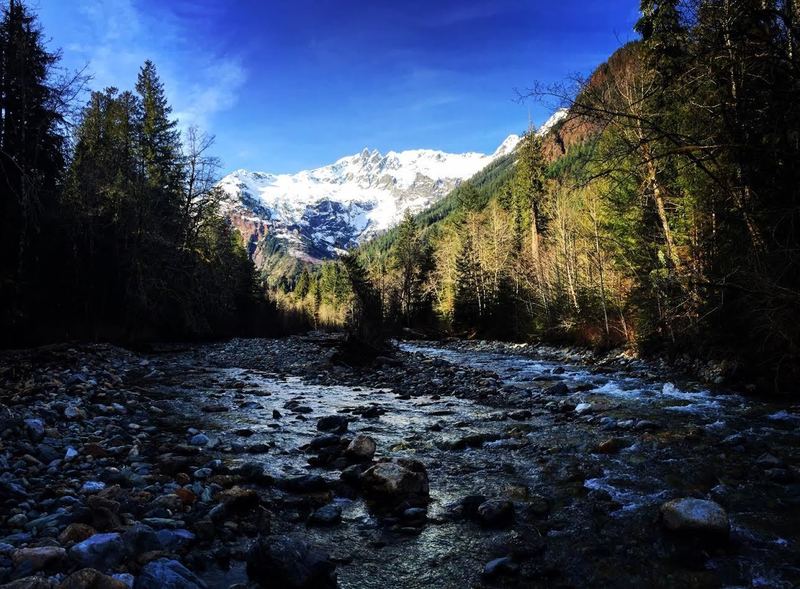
(321,213)
(555,119)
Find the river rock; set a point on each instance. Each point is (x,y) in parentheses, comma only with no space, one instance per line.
(397,481)
(199,440)
(309,483)
(101,551)
(167,574)
(239,500)
(557,389)
(91,579)
(290,563)
(611,446)
(498,567)
(361,449)
(75,533)
(496,513)
(695,515)
(336,424)
(327,515)
(37,559)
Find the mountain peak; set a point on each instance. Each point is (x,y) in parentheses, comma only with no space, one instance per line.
(507,146)
(322,212)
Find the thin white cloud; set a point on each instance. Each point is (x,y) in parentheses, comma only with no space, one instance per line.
(114,37)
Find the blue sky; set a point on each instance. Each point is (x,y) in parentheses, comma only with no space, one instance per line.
(287,85)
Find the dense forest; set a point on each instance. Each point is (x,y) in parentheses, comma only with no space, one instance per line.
(110,219)
(661,215)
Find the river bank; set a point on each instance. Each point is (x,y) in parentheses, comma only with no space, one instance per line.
(456,464)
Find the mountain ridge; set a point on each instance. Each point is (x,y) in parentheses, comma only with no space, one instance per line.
(320,213)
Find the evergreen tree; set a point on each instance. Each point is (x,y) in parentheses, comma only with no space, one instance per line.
(32,156)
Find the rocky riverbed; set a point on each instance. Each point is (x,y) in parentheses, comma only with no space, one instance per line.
(467,464)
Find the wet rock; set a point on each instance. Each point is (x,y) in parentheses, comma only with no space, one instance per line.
(695,515)
(611,446)
(328,515)
(304,484)
(333,423)
(645,425)
(199,440)
(361,449)
(91,579)
(500,567)
(254,472)
(352,474)
(415,515)
(473,441)
(290,563)
(557,389)
(496,513)
(101,551)
(214,409)
(167,574)
(397,481)
(520,415)
(32,560)
(324,441)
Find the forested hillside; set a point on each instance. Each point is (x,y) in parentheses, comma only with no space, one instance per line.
(661,215)
(110,225)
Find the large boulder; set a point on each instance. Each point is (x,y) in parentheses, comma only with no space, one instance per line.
(290,563)
(695,515)
(167,574)
(397,481)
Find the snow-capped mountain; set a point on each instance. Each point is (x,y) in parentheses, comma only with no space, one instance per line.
(321,213)
(318,214)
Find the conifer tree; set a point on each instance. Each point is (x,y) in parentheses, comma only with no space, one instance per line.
(32,153)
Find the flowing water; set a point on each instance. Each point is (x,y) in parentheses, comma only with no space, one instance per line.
(583,519)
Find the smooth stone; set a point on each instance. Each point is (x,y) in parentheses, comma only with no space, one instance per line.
(695,515)
(498,567)
(199,440)
(361,449)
